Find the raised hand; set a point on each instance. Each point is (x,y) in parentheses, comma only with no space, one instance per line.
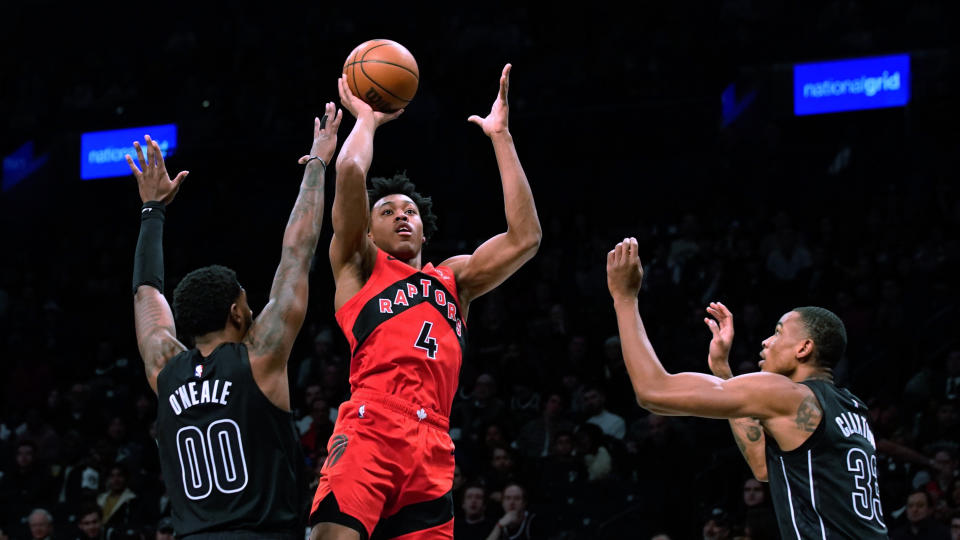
(358,107)
(325,134)
(152,177)
(498,119)
(624,272)
(721,326)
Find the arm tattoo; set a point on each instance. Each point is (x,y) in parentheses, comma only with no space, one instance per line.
(748,428)
(155,332)
(808,414)
(276,328)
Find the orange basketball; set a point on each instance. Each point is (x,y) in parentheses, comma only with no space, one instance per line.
(382,73)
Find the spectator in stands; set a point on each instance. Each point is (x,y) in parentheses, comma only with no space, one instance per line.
(472,521)
(536,437)
(89,522)
(594,403)
(121,508)
(920,524)
(41,524)
(517,521)
(26,485)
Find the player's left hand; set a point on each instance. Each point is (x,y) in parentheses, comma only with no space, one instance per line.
(325,134)
(624,272)
(152,177)
(722,330)
(497,121)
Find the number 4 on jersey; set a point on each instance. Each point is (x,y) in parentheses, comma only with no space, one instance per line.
(425,341)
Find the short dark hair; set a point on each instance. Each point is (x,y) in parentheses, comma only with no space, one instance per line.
(926,495)
(202,300)
(121,468)
(400,184)
(827,332)
(88,508)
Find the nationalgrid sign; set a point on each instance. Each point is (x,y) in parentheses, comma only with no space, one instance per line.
(102,152)
(849,85)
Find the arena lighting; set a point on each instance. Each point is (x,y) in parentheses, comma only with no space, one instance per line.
(102,152)
(849,85)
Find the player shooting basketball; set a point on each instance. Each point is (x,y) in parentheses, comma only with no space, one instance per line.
(390,466)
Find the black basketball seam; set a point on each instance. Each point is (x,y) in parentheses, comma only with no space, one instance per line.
(405,68)
(378,85)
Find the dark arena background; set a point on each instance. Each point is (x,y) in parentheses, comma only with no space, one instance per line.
(673,122)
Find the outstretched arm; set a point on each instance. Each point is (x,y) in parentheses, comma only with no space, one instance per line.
(273,332)
(747,432)
(350,247)
(156,333)
(499,257)
(755,395)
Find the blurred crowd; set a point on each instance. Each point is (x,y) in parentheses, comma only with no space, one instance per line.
(856,213)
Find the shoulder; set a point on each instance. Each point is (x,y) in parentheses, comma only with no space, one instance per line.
(776,394)
(455,263)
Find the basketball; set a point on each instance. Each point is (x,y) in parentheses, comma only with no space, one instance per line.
(382,73)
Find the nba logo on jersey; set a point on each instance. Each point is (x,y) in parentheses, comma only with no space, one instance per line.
(198,371)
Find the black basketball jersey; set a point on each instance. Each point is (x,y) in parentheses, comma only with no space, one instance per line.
(827,488)
(230,458)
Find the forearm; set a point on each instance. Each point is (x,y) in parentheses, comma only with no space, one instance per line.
(350,213)
(303,227)
(497,533)
(357,150)
(521,211)
(748,434)
(904,453)
(153,319)
(645,370)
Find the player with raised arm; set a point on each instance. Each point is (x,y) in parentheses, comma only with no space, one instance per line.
(228,448)
(390,464)
(815,440)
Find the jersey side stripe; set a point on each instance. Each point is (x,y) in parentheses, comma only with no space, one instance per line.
(786,481)
(813,500)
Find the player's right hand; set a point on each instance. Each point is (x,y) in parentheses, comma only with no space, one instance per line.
(358,107)
(721,326)
(624,272)
(152,177)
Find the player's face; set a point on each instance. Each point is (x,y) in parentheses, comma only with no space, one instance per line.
(779,353)
(396,226)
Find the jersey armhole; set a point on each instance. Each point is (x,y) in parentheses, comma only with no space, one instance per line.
(817,434)
(371,280)
(244,355)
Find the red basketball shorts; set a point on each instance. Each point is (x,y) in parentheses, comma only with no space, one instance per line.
(389,470)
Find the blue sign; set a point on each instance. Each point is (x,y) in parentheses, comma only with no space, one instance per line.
(849,85)
(20,164)
(102,152)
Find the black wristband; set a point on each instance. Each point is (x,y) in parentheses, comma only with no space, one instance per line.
(148,259)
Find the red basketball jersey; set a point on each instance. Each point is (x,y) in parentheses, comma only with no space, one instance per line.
(406,333)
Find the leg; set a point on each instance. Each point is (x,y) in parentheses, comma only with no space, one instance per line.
(440,532)
(333,531)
